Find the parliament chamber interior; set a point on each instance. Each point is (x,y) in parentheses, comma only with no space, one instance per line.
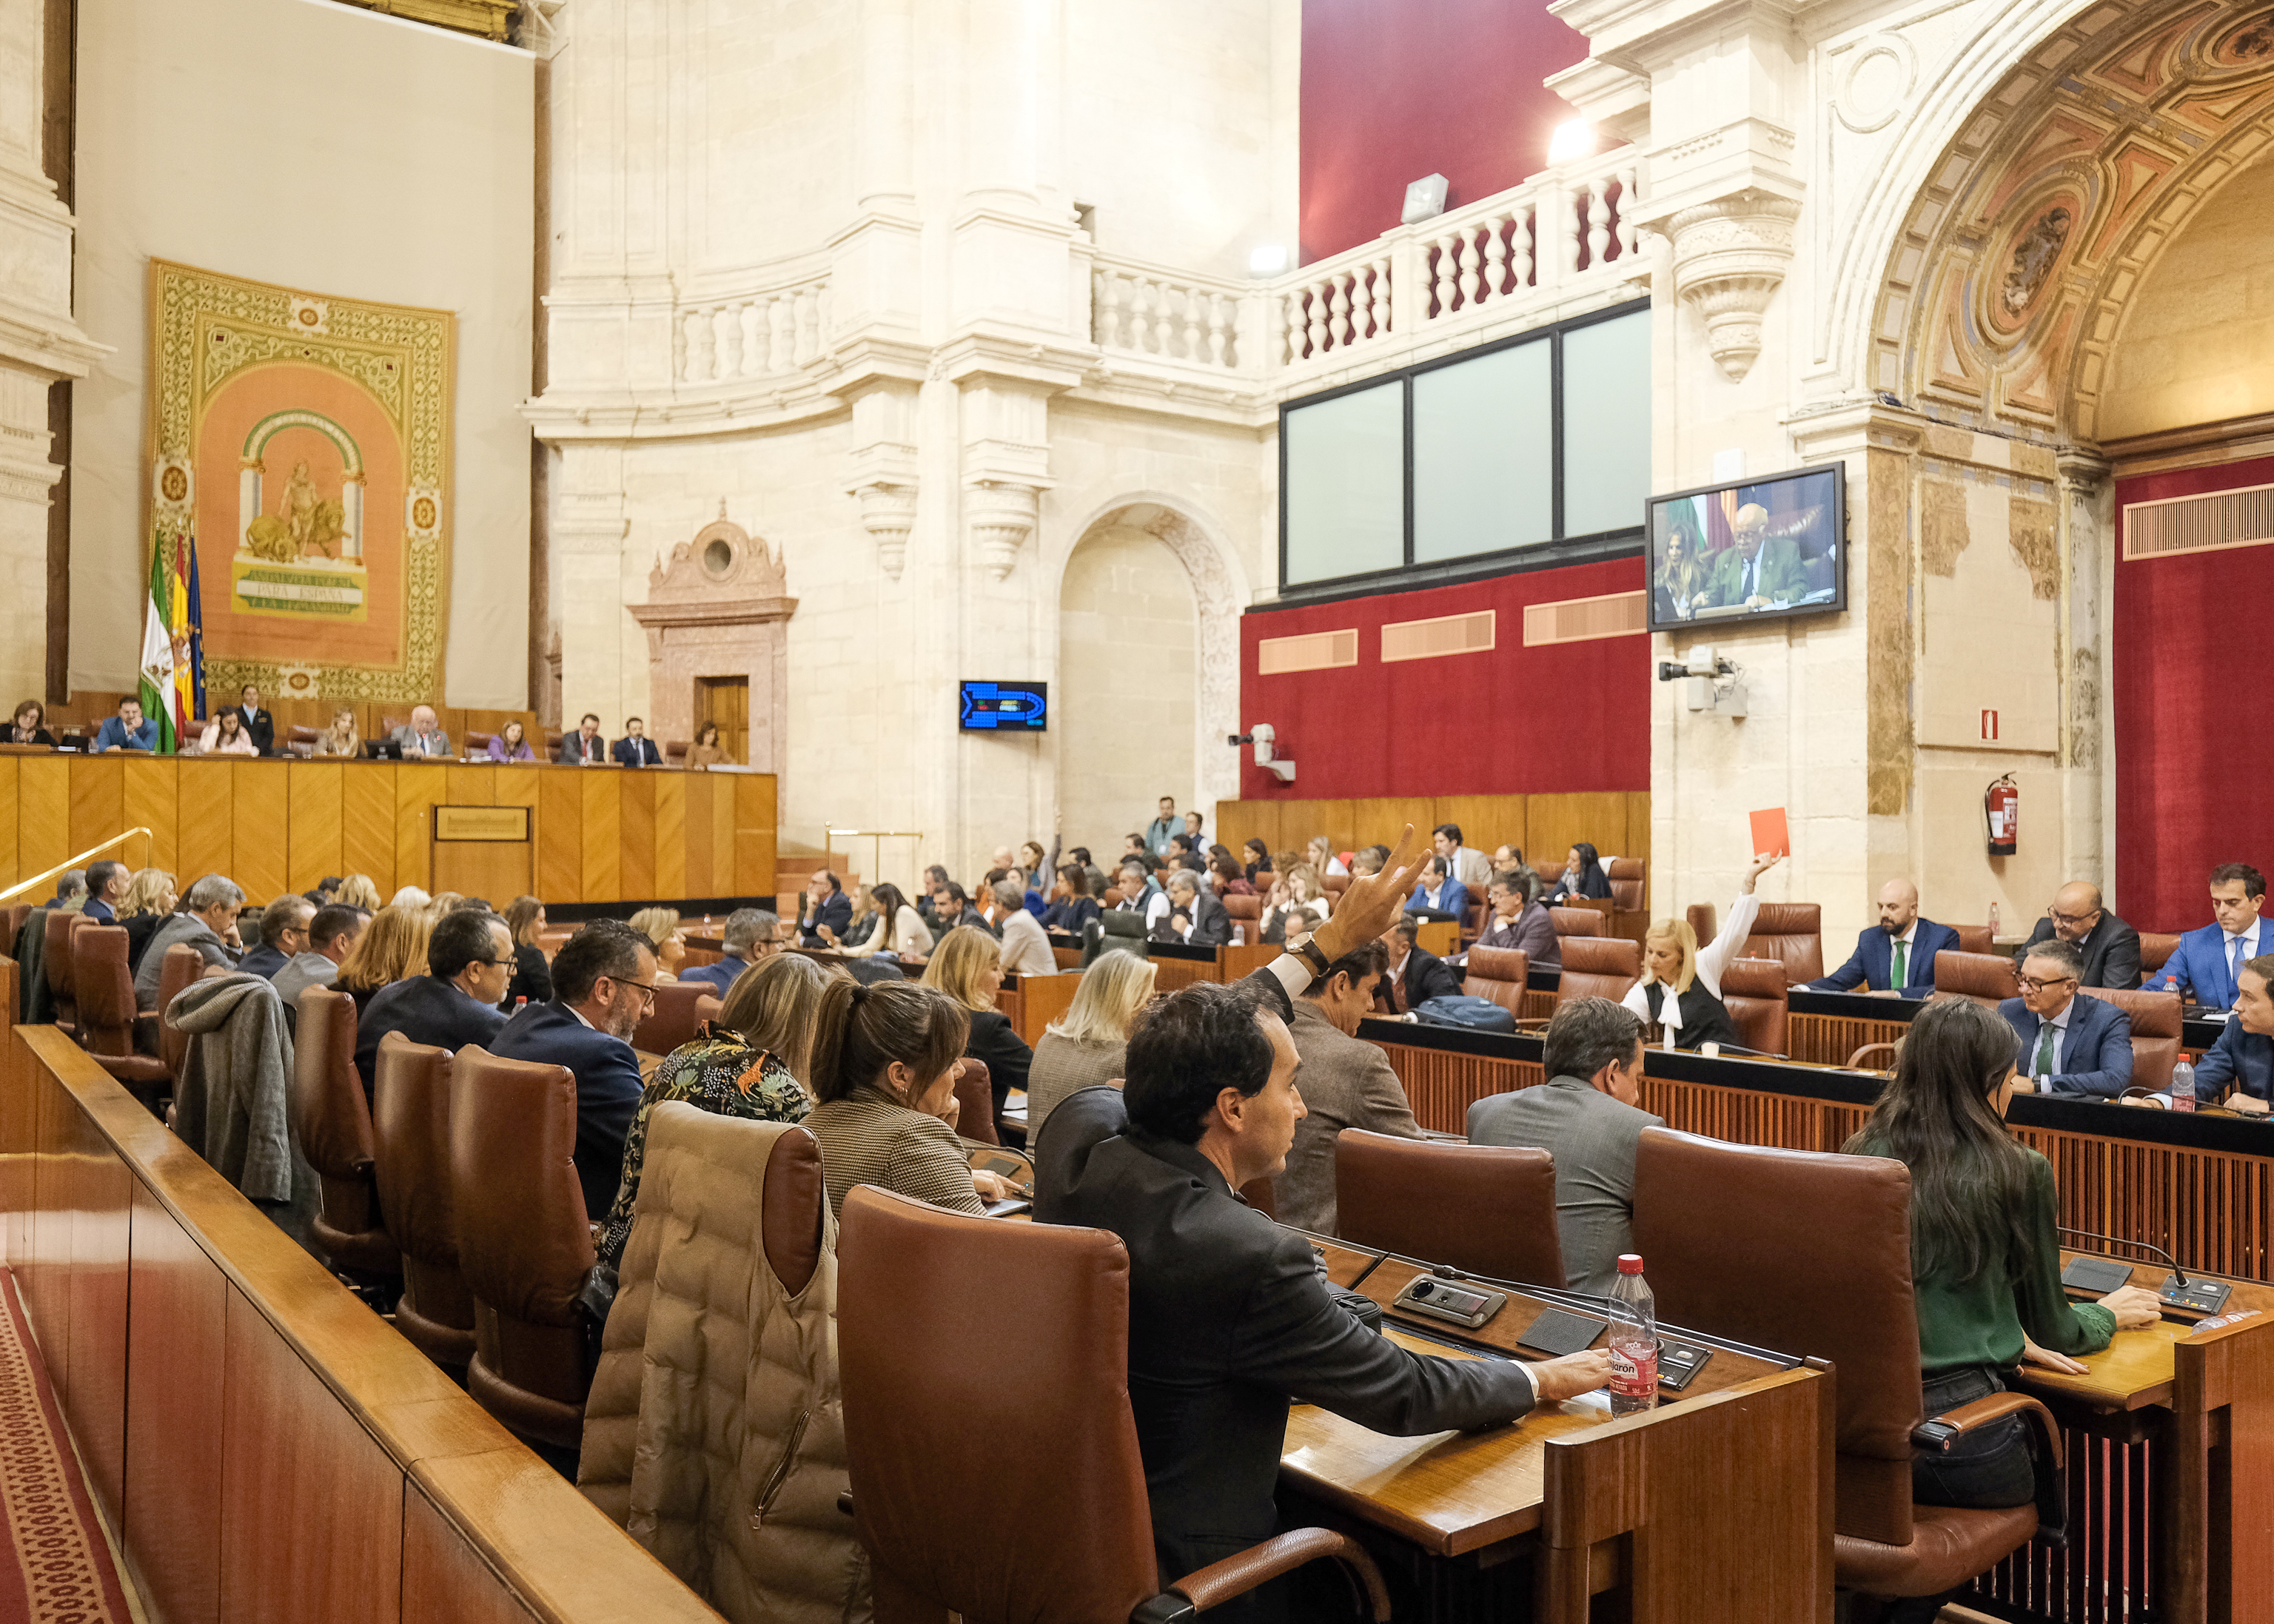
(769,850)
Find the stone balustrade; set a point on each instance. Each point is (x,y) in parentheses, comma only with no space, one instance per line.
(749,335)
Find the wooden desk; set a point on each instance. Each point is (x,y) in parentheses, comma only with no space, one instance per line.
(1826,1027)
(1536,1516)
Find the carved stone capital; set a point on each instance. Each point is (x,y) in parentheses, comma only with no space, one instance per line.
(1002,515)
(1730,257)
(888,512)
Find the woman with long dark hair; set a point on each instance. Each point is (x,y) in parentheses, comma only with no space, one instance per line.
(1583,875)
(1986,1252)
(899,929)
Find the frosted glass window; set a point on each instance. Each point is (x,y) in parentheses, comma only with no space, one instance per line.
(1484,455)
(1345,489)
(1606,424)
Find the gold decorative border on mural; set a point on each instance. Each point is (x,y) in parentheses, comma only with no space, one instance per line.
(489,18)
(205,327)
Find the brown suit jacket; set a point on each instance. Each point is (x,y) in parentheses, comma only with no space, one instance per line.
(1346,1082)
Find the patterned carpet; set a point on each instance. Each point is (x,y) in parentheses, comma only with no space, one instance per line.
(56,1568)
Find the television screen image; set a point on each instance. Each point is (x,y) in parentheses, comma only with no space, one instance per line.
(1004,707)
(1749,550)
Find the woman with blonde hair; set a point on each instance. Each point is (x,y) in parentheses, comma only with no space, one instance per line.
(1322,859)
(1087,1046)
(1298,886)
(411,896)
(660,926)
(967,966)
(357,892)
(393,948)
(747,1063)
(148,903)
(1681,985)
(340,740)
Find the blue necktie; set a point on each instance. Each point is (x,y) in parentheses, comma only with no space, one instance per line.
(2235,974)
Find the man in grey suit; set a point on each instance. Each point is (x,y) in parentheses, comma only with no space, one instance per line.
(1584,1115)
(1194,915)
(1346,1082)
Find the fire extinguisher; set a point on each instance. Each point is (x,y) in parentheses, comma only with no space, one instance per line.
(2001,805)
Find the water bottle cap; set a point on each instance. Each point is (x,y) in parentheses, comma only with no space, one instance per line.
(1629,1263)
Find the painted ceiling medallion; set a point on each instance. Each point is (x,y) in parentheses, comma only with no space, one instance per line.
(2036,251)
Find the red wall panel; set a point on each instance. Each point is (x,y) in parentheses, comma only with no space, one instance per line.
(1393,90)
(2192,788)
(1507,721)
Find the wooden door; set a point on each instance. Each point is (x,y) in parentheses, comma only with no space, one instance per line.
(725,701)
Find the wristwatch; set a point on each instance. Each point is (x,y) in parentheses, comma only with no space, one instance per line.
(1312,954)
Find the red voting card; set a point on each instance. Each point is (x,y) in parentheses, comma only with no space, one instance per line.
(1770,833)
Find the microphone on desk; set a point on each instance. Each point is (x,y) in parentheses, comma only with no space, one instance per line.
(2206,1296)
(2161,1256)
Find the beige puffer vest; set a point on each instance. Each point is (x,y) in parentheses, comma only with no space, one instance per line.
(715,1429)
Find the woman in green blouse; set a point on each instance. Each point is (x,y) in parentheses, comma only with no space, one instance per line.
(1985,1251)
(749,1063)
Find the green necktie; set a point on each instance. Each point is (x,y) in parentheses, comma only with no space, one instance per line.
(2045,1065)
(1902,967)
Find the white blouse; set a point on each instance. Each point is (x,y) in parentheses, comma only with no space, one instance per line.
(1711,960)
(908,934)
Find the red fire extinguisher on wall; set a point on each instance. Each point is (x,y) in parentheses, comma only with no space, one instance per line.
(2001,805)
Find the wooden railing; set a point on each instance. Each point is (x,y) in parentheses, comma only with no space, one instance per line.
(264,1446)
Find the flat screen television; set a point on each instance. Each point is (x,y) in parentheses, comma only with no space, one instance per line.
(1004,707)
(1750,550)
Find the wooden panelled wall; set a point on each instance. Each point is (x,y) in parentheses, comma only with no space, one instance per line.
(603,834)
(1542,827)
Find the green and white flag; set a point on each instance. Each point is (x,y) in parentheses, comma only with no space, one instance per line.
(157,685)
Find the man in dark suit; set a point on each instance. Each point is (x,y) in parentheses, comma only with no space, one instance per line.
(106,888)
(584,748)
(468,962)
(283,935)
(748,936)
(2069,1044)
(1415,976)
(603,982)
(2110,946)
(1228,1313)
(259,726)
(1896,955)
(2206,966)
(636,749)
(1195,917)
(129,730)
(2243,1057)
(826,904)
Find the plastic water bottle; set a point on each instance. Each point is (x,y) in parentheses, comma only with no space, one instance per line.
(1238,934)
(521,1003)
(1993,921)
(2183,1086)
(1634,1340)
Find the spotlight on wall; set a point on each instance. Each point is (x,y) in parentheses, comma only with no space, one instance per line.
(1424,200)
(1575,139)
(1270,259)
(1263,738)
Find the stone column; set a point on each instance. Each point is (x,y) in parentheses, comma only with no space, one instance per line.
(2087,517)
(598,639)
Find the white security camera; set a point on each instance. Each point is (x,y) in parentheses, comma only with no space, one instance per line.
(1263,738)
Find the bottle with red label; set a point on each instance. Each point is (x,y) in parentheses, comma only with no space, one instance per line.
(1634,1340)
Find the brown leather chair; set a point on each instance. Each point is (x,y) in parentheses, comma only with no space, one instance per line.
(706,1010)
(106,1012)
(411,1137)
(1702,922)
(2155,1032)
(1499,974)
(1336,884)
(1713,1221)
(57,965)
(1630,884)
(475,744)
(524,1242)
(331,1119)
(1248,909)
(1598,967)
(675,751)
(301,741)
(1974,939)
(11,924)
(671,1021)
(180,967)
(1489,1209)
(1571,922)
(1754,990)
(975,1099)
(1071,1538)
(1790,932)
(1986,978)
(2156,951)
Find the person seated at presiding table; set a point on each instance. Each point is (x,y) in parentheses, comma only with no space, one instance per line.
(896,928)
(510,743)
(2238,1071)
(2207,965)
(1195,917)
(1229,1314)
(748,1062)
(1072,905)
(149,904)
(129,730)
(884,1062)
(1583,875)
(634,748)
(826,905)
(29,725)
(283,935)
(106,888)
(2069,1044)
(584,748)
(1895,955)
(660,926)
(532,976)
(1415,974)
(749,937)
(1026,949)
(1762,571)
(2110,946)
(705,751)
(603,982)
(1589,1116)
(393,948)
(422,735)
(259,726)
(207,922)
(1985,1256)
(967,966)
(333,933)
(1681,988)
(1084,1048)
(1517,921)
(469,960)
(341,738)
(1346,1081)
(1439,893)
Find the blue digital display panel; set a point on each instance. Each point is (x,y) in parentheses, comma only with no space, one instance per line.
(1004,707)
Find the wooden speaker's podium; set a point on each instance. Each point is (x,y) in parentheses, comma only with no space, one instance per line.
(482,852)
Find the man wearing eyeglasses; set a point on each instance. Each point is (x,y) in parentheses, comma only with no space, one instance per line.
(469,961)
(2110,947)
(2068,1043)
(602,984)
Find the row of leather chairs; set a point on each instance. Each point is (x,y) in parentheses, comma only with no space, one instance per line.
(92,992)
